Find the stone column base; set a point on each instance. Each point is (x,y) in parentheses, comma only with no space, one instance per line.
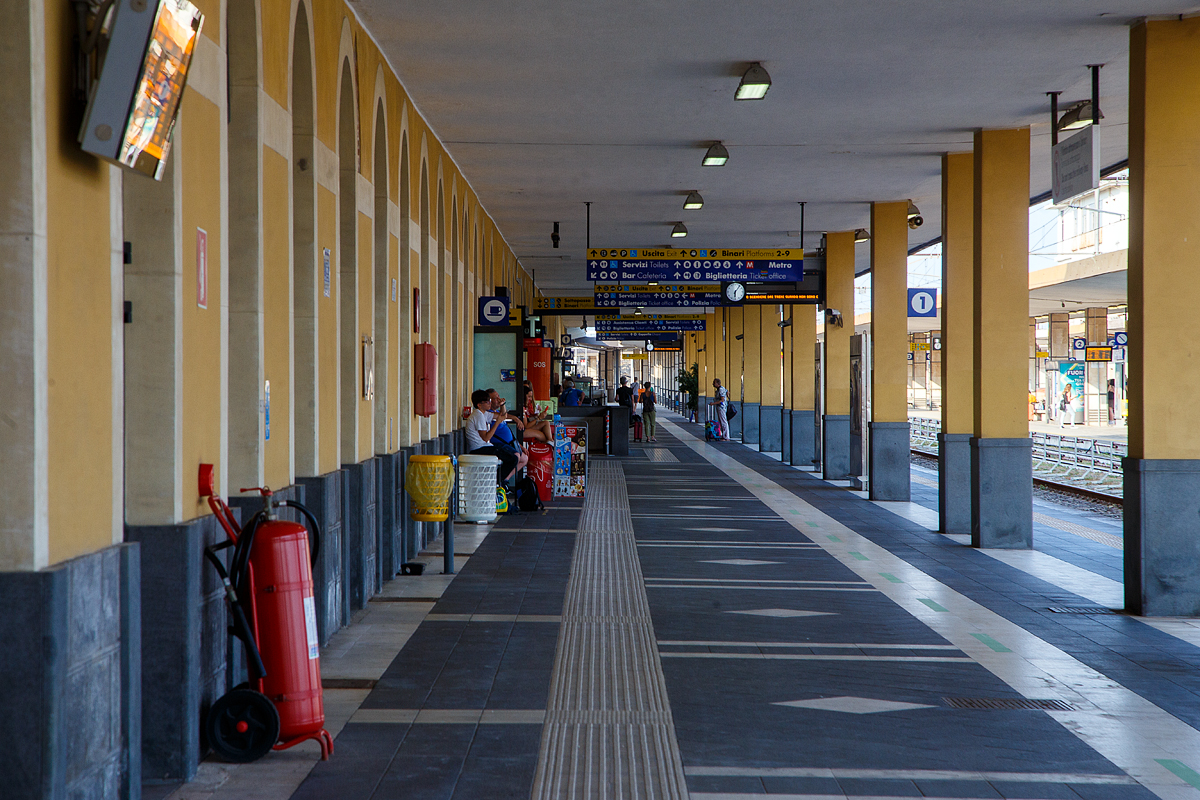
(954,482)
(362,532)
(750,418)
(1162,537)
(1002,493)
(325,496)
(889,462)
(835,449)
(735,423)
(785,436)
(770,429)
(803,435)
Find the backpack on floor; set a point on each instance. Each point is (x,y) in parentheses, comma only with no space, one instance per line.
(527,495)
(501,500)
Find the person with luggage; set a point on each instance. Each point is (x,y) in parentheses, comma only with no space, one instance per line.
(720,404)
(649,399)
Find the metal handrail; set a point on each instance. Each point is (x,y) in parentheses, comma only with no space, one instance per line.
(1073,452)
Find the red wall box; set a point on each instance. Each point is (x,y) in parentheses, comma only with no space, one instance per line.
(425,380)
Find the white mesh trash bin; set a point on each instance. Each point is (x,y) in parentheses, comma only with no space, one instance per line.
(477,488)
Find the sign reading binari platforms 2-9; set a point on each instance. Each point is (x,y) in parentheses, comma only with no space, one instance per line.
(678,264)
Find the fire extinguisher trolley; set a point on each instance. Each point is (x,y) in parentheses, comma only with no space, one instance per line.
(269,590)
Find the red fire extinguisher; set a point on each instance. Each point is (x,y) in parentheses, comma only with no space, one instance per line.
(269,590)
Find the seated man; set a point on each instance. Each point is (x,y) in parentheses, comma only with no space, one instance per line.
(504,437)
(570,395)
(481,429)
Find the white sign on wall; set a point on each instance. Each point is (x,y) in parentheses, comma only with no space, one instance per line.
(1076,165)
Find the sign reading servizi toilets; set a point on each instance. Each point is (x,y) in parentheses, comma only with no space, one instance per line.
(1076,165)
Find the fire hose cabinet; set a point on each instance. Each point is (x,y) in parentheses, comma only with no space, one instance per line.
(425,380)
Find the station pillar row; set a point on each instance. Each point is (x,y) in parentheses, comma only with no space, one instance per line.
(803,432)
(888,428)
(785,434)
(1001,450)
(958,343)
(835,365)
(1162,472)
(751,373)
(770,416)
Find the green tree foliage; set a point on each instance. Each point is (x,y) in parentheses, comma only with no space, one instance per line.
(689,381)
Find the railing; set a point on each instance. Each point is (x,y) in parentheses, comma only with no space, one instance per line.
(1055,452)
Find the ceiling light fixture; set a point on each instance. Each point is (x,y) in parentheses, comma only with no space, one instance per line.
(716,156)
(861,235)
(679,231)
(754,84)
(1078,115)
(915,220)
(693,202)
(652,283)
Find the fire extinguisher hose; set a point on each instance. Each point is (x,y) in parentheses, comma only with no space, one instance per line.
(314,528)
(241,628)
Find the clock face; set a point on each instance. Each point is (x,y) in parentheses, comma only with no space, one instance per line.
(735,292)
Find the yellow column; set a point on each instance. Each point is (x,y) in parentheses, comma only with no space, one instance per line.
(889,444)
(1162,473)
(803,385)
(958,343)
(770,412)
(835,367)
(785,434)
(752,344)
(1001,465)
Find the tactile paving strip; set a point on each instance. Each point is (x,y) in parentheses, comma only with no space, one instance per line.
(608,731)
(661,454)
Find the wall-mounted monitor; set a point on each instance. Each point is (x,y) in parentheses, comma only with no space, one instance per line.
(133,104)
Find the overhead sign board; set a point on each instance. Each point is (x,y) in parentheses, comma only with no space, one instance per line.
(685,264)
(679,295)
(922,302)
(648,323)
(579,303)
(1075,164)
(805,291)
(636,356)
(1098,354)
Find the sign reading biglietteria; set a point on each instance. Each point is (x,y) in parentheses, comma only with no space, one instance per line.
(668,295)
(648,323)
(680,264)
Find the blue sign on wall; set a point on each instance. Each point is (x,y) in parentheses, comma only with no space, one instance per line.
(493,311)
(922,302)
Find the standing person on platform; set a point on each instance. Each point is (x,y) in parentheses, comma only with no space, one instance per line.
(624,393)
(648,401)
(570,395)
(1112,401)
(555,388)
(482,426)
(721,402)
(1066,406)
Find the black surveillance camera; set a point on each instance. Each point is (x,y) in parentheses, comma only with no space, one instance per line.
(916,222)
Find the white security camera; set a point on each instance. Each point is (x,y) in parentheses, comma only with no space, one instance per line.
(915,220)
(833,317)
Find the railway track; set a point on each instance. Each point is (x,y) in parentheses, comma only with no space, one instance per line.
(1066,488)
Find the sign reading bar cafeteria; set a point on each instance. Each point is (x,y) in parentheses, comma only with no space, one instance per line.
(648,323)
(685,264)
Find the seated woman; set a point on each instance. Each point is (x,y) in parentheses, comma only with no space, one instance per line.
(537,427)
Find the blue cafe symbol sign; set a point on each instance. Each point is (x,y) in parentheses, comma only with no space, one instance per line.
(493,311)
(922,302)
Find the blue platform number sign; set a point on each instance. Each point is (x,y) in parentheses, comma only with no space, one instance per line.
(1079,344)
(493,311)
(922,302)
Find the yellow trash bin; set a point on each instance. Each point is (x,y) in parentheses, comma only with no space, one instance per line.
(429,482)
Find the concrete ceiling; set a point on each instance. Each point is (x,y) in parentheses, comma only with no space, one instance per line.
(547,105)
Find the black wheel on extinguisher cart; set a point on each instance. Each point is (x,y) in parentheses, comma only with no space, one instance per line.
(242,726)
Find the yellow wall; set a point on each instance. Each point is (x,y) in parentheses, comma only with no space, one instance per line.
(277,340)
(1164,233)
(366,327)
(770,363)
(889,312)
(803,342)
(198,137)
(80,320)
(1002,284)
(752,344)
(958,310)
(327,340)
